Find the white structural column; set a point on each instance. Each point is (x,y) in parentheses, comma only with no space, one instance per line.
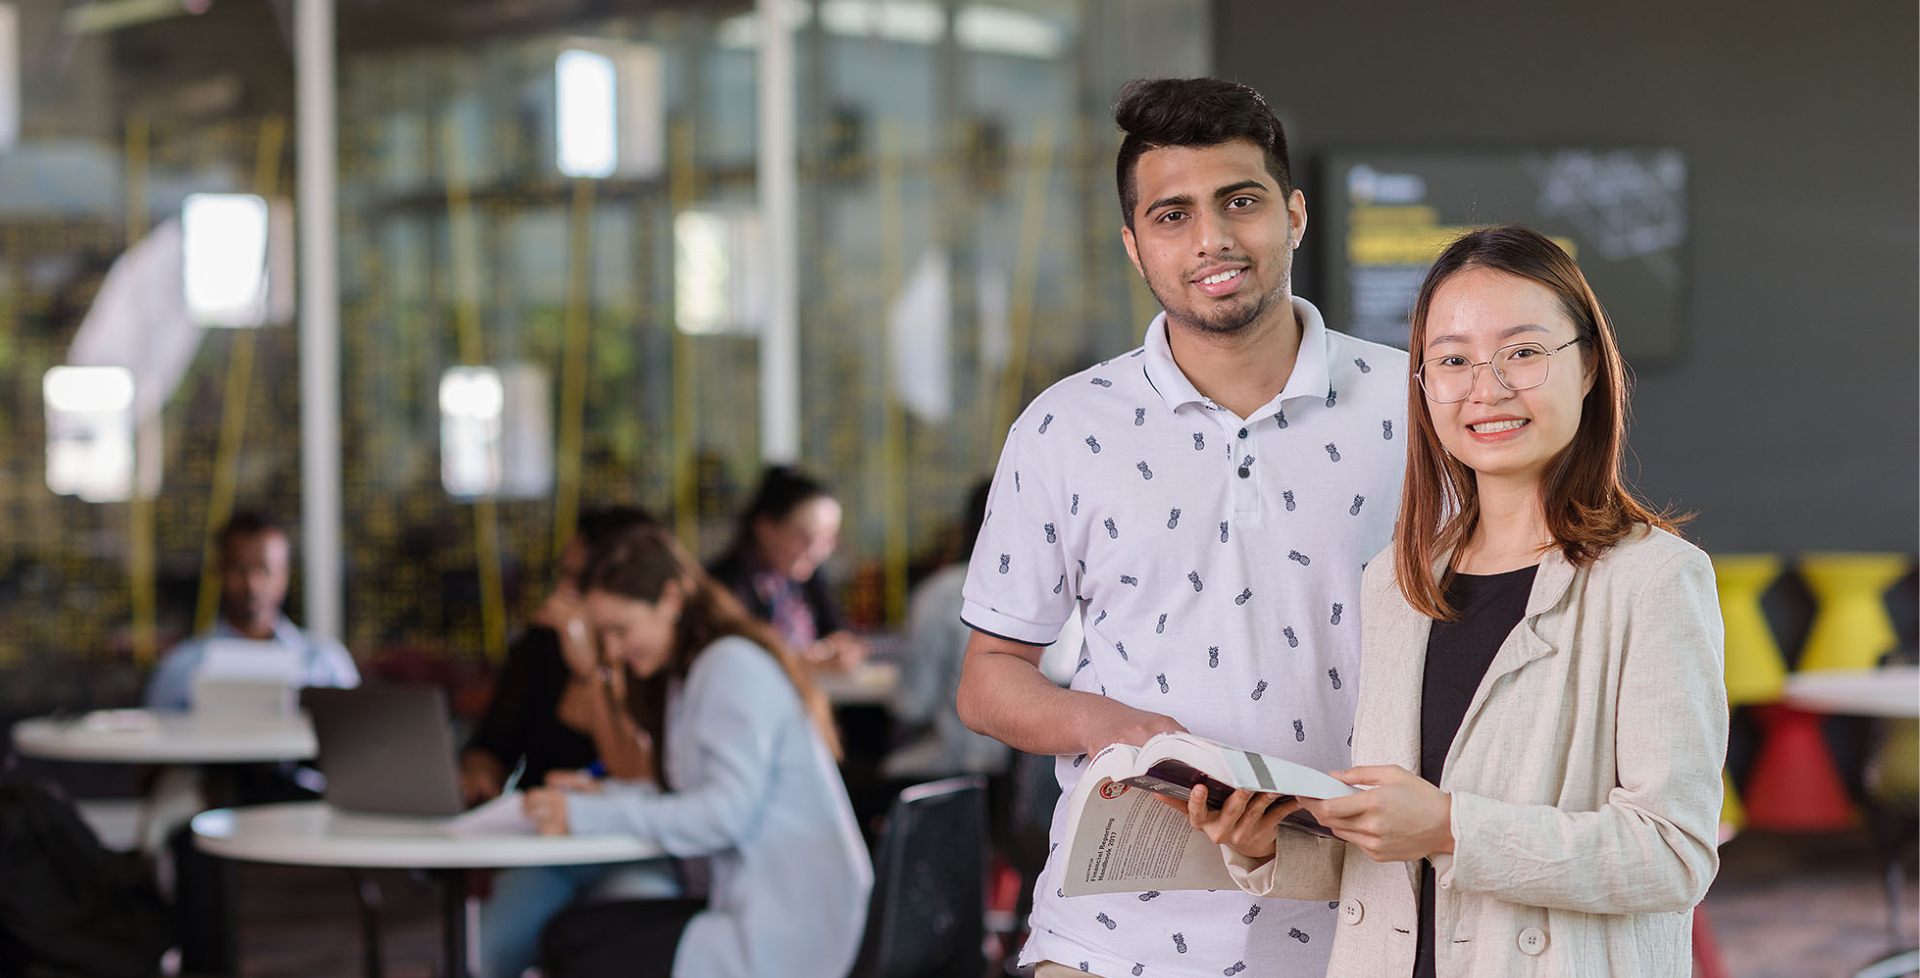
(318,214)
(779,182)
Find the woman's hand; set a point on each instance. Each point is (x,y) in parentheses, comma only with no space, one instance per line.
(1402,819)
(838,652)
(1248,823)
(481,775)
(547,809)
(565,613)
(571,781)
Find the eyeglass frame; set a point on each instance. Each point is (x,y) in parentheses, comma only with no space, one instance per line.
(1473,369)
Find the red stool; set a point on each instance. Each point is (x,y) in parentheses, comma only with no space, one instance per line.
(1794,786)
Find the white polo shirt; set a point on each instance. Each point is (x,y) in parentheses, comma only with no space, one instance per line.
(1218,561)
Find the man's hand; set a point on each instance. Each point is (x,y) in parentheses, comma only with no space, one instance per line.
(1248,823)
(1402,819)
(1113,722)
(547,808)
(481,776)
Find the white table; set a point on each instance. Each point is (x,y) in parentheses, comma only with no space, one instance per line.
(179,741)
(162,737)
(1893,691)
(313,833)
(869,683)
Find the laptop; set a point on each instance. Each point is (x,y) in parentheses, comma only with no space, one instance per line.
(386,749)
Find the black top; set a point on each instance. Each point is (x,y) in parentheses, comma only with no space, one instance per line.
(1458,654)
(522,721)
(735,570)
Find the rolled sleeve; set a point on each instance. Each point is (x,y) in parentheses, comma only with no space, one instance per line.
(1020,585)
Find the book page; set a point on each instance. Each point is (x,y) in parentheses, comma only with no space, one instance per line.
(503,815)
(1125,840)
(1247,769)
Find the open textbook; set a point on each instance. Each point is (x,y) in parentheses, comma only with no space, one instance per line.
(1121,839)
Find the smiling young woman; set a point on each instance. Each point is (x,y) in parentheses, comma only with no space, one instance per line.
(1542,714)
(1583,497)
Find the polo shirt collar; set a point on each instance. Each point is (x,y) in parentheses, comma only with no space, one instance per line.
(1309,377)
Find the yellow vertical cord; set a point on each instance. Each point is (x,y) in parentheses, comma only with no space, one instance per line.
(140,531)
(893,427)
(463,239)
(686,485)
(233,405)
(1026,272)
(573,369)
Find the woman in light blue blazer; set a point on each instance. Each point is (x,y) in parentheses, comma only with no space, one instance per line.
(747,781)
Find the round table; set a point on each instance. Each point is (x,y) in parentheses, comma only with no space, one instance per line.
(1893,691)
(164,737)
(178,741)
(314,833)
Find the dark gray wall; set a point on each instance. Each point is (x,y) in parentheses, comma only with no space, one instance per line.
(1793,422)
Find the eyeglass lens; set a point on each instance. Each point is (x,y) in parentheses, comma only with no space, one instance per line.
(1517,367)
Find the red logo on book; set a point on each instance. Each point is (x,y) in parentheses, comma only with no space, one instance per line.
(1112,789)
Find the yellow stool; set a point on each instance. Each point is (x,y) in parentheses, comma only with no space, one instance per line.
(1851,629)
(1755,671)
(1733,815)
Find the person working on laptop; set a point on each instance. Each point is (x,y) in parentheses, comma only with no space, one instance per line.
(255,561)
(255,568)
(549,710)
(746,779)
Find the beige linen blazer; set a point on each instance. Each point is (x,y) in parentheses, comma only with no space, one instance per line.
(1585,780)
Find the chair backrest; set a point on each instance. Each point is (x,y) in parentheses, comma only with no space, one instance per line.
(1025,816)
(925,918)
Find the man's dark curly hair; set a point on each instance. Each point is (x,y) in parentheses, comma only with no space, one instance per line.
(1156,112)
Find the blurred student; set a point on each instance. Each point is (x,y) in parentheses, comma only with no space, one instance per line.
(773,566)
(255,568)
(930,670)
(546,713)
(746,778)
(1543,714)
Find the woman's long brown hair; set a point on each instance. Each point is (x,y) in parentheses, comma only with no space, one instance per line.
(1589,506)
(637,564)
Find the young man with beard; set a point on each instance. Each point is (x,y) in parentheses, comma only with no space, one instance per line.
(1208,500)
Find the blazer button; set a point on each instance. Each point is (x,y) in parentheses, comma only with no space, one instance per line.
(1532,941)
(1351,911)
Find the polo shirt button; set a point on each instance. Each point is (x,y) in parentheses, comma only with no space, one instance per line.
(1532,941)
(1243,432)
(1351,911)
(1245,472)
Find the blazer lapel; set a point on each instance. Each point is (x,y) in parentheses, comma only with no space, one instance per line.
(1524,644)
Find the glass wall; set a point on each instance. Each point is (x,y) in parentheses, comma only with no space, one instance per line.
(146,358)
(552,290)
